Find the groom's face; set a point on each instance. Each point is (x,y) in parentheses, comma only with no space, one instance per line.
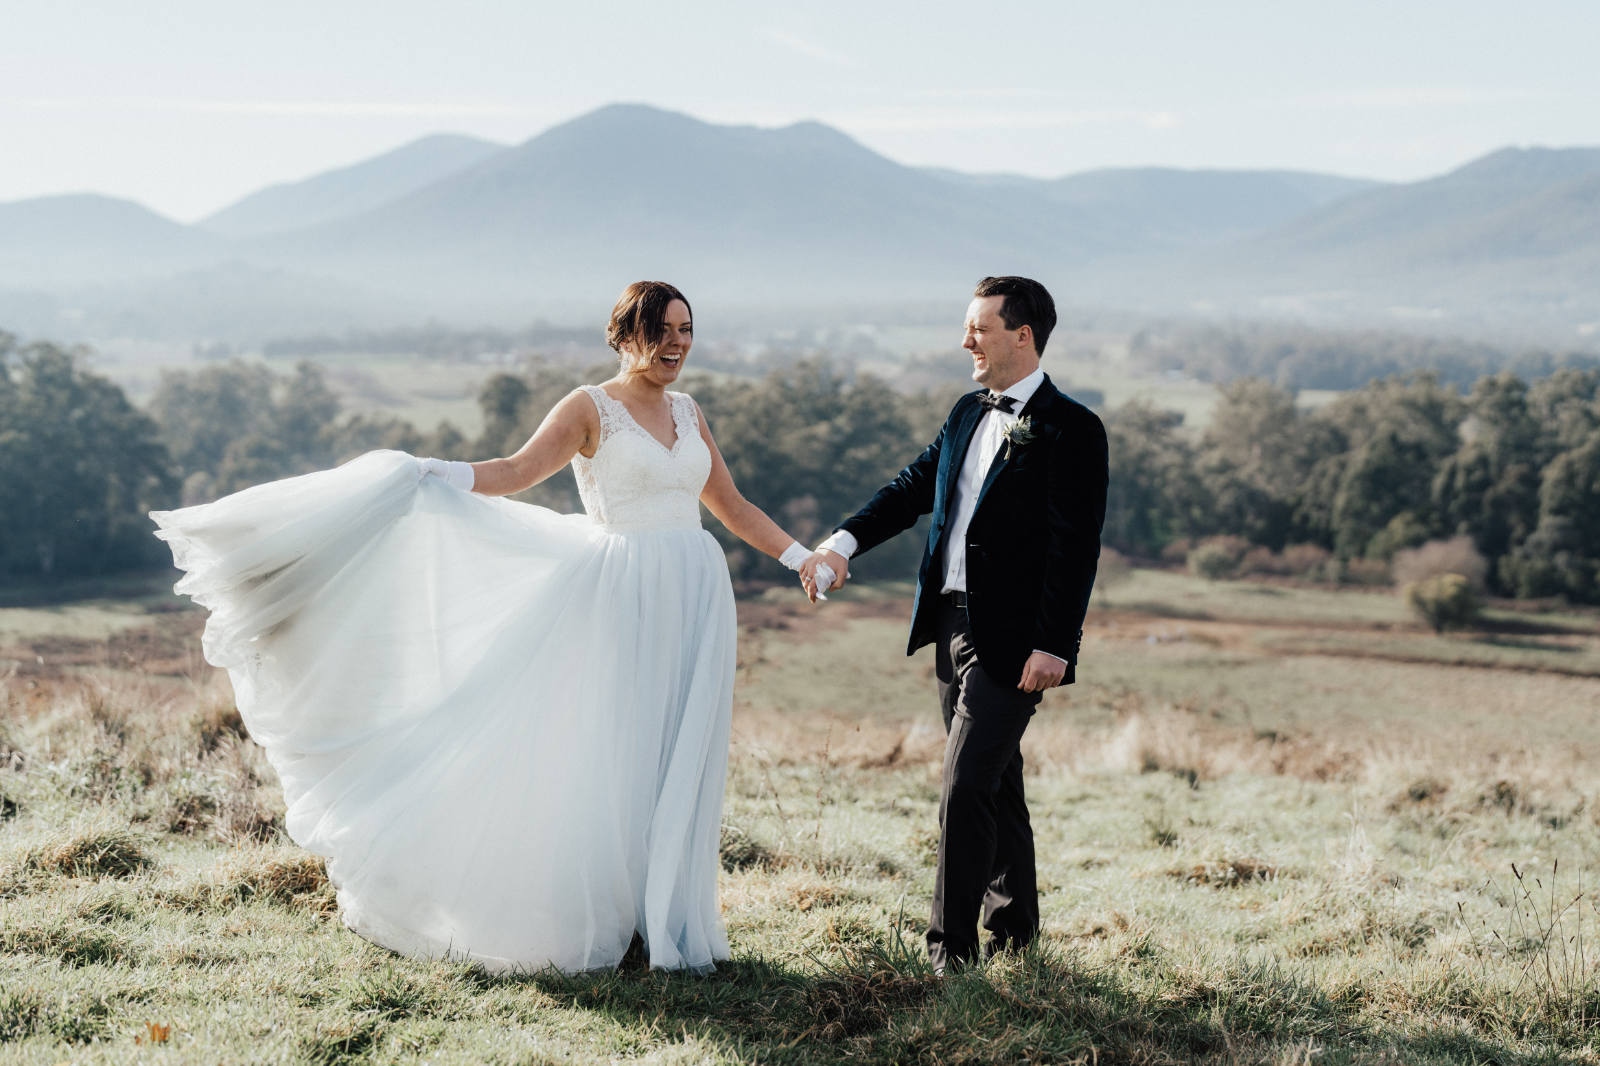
(1000,356)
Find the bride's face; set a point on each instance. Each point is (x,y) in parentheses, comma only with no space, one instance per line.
(677,334)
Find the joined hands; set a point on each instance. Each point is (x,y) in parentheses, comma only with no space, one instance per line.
(823,572)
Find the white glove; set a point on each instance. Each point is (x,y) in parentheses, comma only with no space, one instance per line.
(825,579)
(455,474)
(795,556)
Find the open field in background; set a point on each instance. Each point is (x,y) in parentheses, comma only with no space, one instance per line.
(421,391)
(425,391)
(1275,825)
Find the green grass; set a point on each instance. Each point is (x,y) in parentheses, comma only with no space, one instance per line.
(1245,856)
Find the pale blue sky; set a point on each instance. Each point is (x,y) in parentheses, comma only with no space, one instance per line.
(186,105)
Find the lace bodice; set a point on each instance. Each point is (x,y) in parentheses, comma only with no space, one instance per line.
(633,481)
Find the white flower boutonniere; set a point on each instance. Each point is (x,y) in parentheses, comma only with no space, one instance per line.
(1018,433)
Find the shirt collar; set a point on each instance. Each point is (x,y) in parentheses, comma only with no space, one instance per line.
(1023,390)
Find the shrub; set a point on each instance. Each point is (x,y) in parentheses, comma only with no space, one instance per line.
(1457,555)
(1445,601)
(1261,562)
(1113,568)
(1308,561)
(1177,551)
(1218,557)
(1359,571)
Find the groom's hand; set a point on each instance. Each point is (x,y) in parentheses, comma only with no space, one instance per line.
(1040,672)
(808,572)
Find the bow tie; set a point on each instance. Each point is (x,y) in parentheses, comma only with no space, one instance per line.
(991,401)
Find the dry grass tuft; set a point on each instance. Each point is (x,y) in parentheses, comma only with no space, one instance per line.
(72,943)
(820,894)
(741,851)
(72,1019)
(285,876)
(346,1039)
(877,984)
(216,722)
(1227,873)
(90,851)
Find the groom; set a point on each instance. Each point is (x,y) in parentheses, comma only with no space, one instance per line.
(1016,484)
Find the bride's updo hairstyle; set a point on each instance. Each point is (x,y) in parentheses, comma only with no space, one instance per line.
(636,321)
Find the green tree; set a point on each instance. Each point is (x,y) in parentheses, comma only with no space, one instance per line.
(504,402)
(1152,499)
(1250,462)
(1489,487)
(79,466)
(1395,434)
(202,412)
(1566,408)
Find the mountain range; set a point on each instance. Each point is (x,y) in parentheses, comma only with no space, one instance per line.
(800,218)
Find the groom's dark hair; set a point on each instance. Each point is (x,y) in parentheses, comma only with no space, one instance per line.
(1027,303)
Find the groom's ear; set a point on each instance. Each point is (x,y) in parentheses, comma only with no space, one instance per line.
(1025,335)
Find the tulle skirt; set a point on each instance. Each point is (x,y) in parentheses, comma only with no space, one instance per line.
(505,728)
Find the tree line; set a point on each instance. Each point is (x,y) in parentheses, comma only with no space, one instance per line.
(1397,463)
(1300,357)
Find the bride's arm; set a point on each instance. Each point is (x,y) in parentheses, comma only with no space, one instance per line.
(744,519)
(572,426)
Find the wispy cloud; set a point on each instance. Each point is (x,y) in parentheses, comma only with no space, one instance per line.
(304,108)
(809,49)
(1422,96)
(1015,92)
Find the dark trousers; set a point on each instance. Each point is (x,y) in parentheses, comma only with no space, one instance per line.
(985,840)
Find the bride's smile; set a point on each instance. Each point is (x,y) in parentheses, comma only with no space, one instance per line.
(672,350)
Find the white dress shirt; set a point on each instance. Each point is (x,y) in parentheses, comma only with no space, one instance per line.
(987,440)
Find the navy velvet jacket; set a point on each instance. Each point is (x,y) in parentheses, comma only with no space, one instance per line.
(1033,541)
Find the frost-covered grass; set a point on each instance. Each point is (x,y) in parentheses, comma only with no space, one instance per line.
(1244,856)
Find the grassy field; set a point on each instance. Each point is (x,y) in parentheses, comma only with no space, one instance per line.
(1275,825)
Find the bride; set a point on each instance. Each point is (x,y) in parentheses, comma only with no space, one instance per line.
(505,728)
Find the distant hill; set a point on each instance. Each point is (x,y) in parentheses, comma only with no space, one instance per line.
(804,219)
(790,215)
(1419,223)
(83,237)
(1509,244)
(1154,208)
(350,190)
(1166,208)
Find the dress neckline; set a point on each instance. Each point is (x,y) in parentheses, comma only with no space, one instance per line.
(672,406)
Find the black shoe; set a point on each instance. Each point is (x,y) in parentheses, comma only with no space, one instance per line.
(998,946)
(636,957)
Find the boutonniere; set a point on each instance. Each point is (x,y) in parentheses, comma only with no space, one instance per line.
(1018,433)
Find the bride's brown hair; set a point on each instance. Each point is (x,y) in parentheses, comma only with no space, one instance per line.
(636,320)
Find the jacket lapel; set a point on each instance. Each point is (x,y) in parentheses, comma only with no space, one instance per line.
(960,440)
(1037,408)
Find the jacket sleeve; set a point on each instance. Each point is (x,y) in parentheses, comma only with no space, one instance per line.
(1075,505)
(896,507)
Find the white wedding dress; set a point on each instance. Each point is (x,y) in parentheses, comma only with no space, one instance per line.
(505,728)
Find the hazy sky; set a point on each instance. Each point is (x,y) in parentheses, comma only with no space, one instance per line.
(186,105)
